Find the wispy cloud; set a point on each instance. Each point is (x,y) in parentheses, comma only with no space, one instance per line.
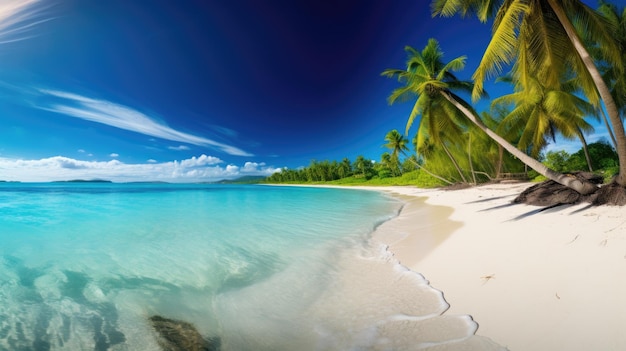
(195,169)
(123,117)
(17,18)
(179,148)
(114,155)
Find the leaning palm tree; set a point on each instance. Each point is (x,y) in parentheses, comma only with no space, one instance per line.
(438,85)
(612,74)
(547,34)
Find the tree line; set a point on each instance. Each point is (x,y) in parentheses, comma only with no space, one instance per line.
(566,63)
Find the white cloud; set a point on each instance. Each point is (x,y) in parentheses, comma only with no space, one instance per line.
(195,169)
(203,160)
(81,151)
(178,148)
(123,117)
(114,155)
(152,161)
(251,167)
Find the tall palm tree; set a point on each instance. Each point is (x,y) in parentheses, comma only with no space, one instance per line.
(389,163)
(612,74)
(344,169)
(539,113)
(362,165)
(440,122)
(438,86)
(544,33)
(397,143)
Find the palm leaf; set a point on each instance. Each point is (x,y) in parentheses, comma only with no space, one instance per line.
(501,48)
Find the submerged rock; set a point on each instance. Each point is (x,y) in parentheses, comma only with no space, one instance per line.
(175,335)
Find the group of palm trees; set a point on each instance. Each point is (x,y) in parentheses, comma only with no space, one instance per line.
(566,62)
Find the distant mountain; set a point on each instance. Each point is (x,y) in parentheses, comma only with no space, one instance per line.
(242,180)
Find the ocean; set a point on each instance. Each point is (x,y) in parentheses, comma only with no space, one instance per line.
(83,266)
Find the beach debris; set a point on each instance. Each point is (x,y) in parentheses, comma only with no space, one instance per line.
(487,278)
(557,296)
(576,237)
(175,335)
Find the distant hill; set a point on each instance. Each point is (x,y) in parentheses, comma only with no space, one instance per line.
(148,182)
(83,181)
(242,180)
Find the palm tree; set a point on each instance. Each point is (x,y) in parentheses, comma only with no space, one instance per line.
(612,73)
(397,143)
(540,113)
(438,86)
(344,169)
(617,18)
(541,33)
(440,121)
(363,166)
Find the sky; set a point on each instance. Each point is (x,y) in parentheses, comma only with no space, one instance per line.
(204,90)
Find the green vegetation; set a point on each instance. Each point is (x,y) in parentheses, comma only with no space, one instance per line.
(603,158)
(566,64)
(360,172)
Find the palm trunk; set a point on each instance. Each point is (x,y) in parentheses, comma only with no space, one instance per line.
(603,89)
(469,156)
(609,129)
(430,173)
(456,165)
(570,182)
(500,160)
(585,149)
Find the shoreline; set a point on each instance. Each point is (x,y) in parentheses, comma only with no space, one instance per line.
(551,280)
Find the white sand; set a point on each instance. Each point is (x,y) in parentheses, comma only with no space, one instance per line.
(554,280)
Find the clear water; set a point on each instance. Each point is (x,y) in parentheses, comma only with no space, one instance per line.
(83,266)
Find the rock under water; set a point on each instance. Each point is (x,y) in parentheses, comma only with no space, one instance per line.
(175,335)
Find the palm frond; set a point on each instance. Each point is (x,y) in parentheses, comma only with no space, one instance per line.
(419,106)
(501,48)
(458,64)
(402,94)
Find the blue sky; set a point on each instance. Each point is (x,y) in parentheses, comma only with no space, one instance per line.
(187,91)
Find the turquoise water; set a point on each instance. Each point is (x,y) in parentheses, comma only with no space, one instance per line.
(83,266)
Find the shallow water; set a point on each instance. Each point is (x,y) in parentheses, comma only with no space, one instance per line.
(82,266)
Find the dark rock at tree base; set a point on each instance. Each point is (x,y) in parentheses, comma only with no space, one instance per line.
(175,335)
(610,194)
(550,193)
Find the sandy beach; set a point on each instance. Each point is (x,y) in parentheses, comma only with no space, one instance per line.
(552,280)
